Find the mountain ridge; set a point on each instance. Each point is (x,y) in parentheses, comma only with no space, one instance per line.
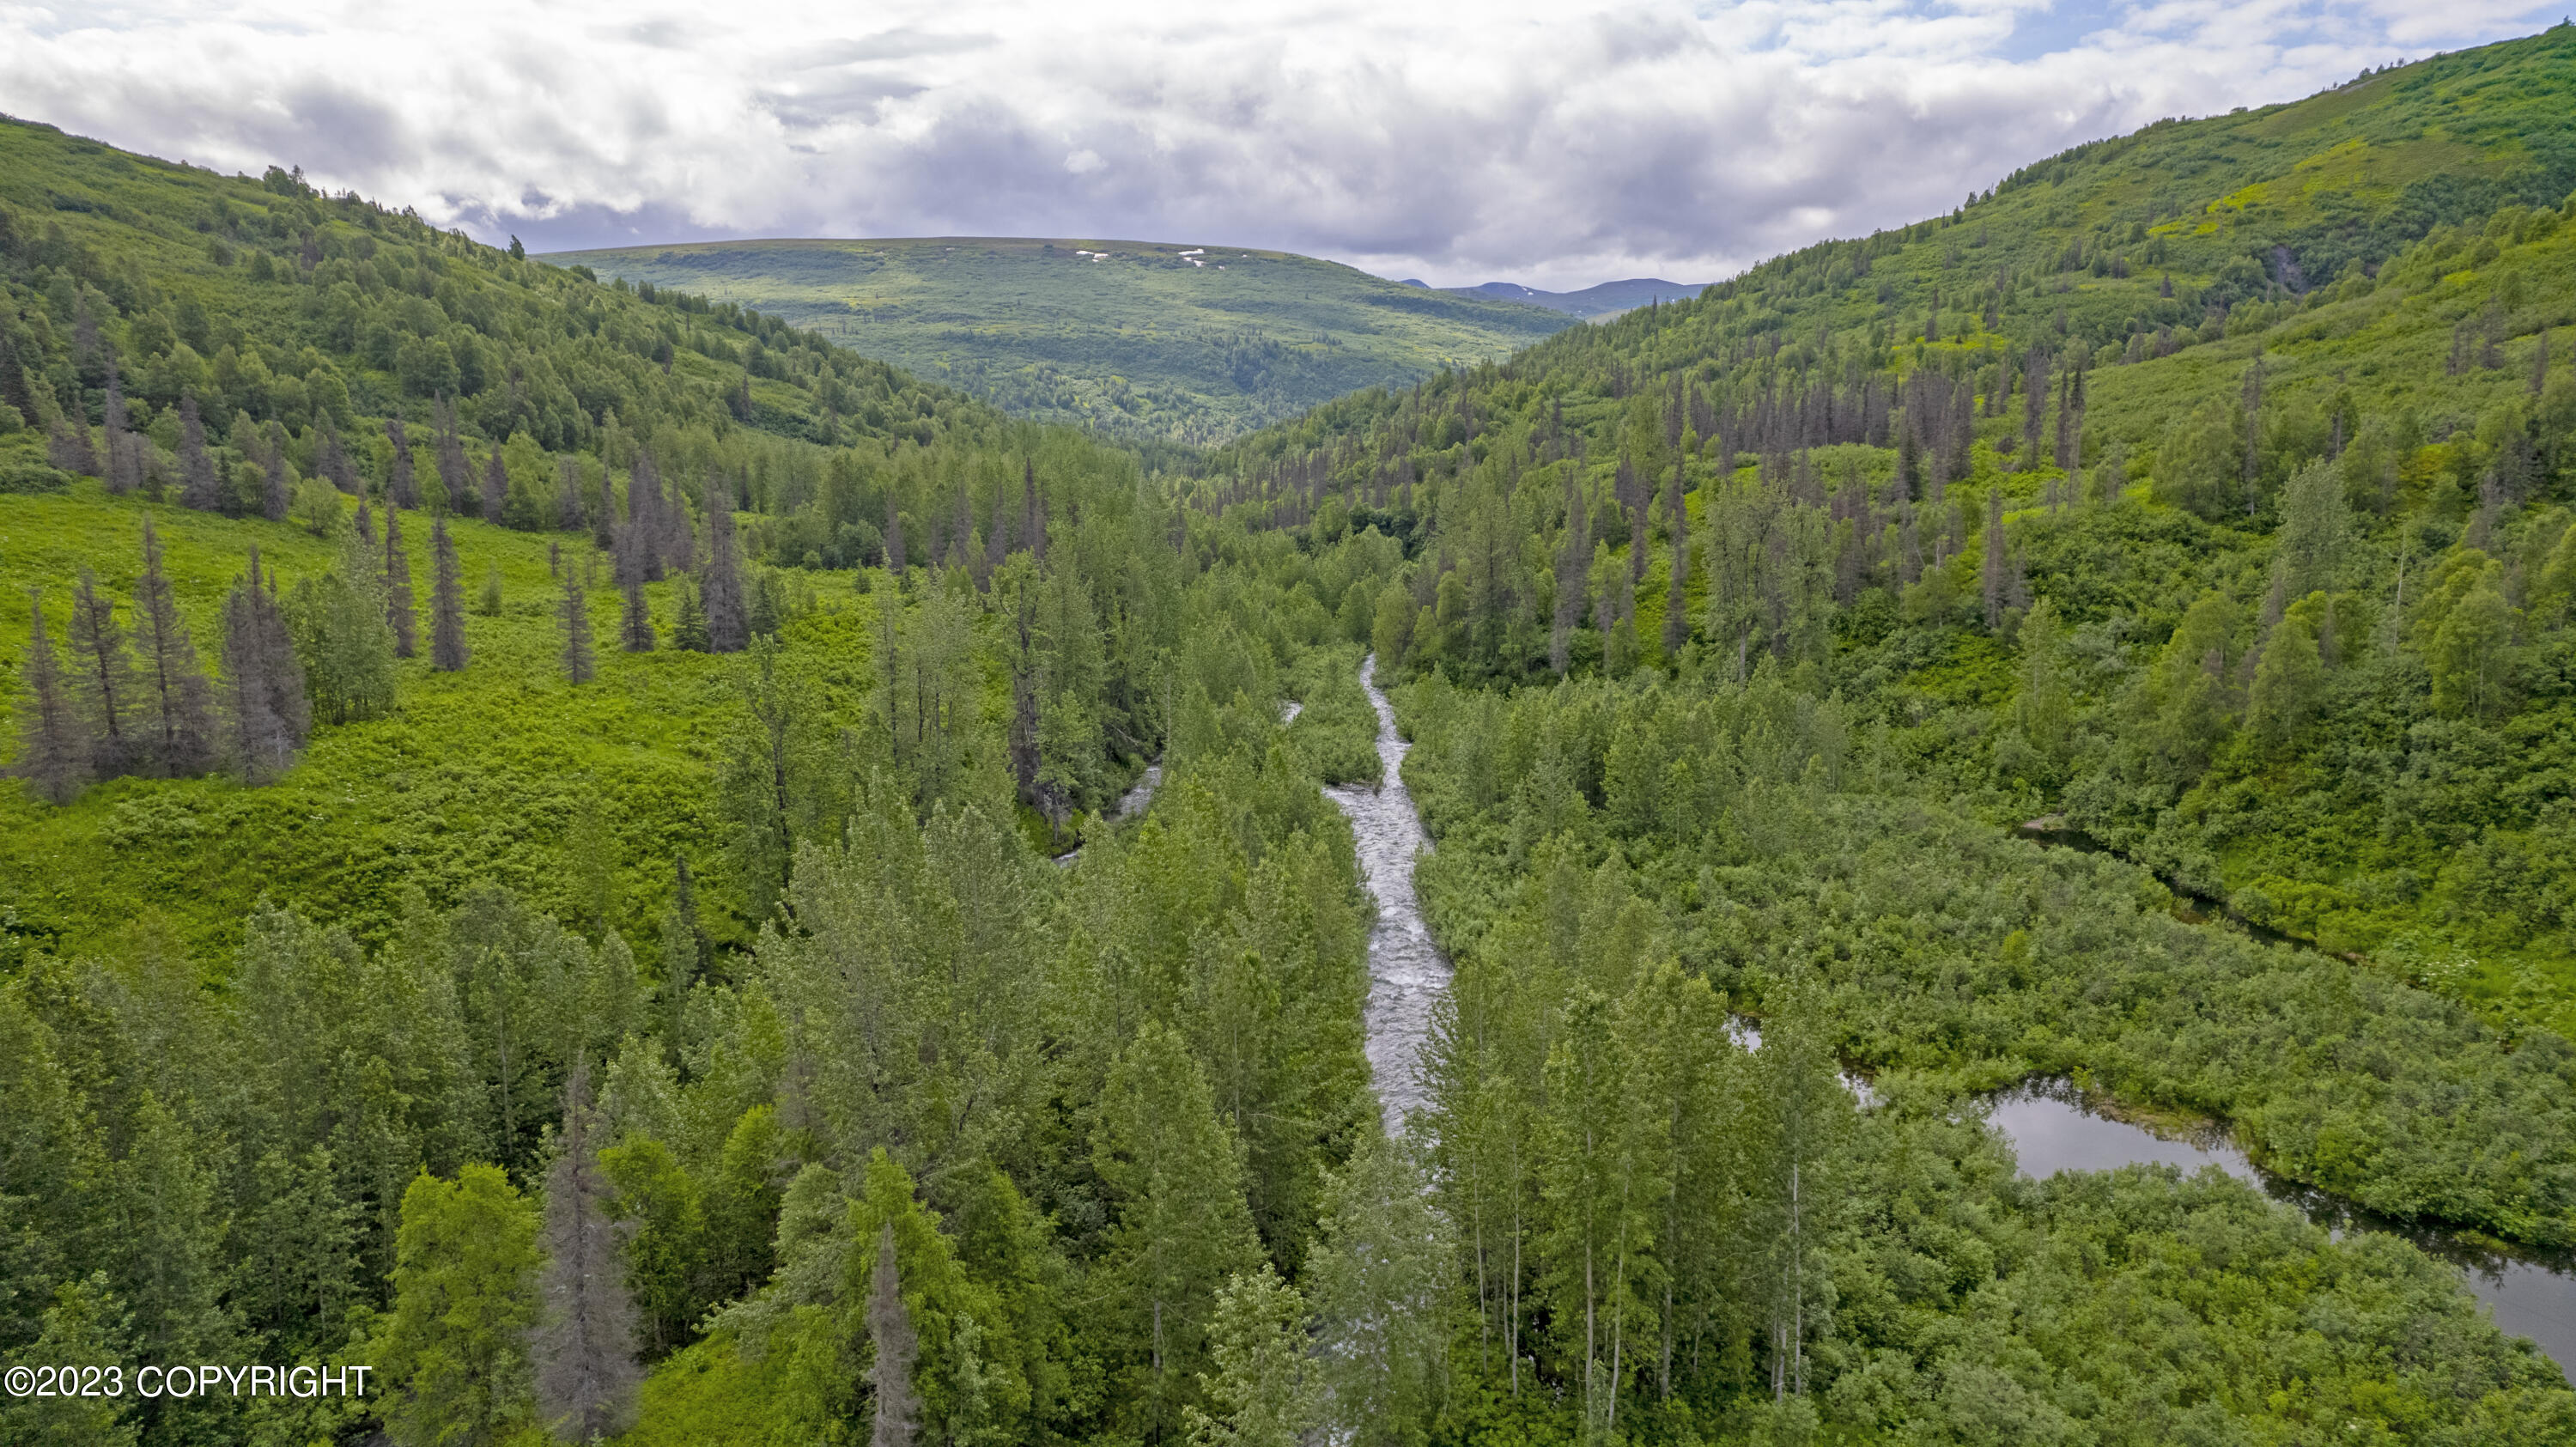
(1183,342)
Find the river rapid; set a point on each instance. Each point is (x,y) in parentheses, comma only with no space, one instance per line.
(1407,972)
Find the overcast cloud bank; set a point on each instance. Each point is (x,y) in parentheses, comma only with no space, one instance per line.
(1557,145)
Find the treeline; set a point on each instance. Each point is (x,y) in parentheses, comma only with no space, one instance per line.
(961,1140)
(2190,618)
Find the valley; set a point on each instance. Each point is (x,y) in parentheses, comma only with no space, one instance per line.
(1178,343)
(687,846)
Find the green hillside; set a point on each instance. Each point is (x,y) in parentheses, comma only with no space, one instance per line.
(1141,339)
(2202,495)
(599,966)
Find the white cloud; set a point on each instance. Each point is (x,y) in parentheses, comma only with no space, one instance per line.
(1555,143)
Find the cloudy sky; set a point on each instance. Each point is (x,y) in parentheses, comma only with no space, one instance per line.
(1556,144)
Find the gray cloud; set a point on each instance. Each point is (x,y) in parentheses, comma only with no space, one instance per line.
(1552,143)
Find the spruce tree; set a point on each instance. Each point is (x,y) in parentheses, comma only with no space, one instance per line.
(635,617)
(125,451)
(266,714)
(1182,1226)
(897,1406)
(276,487)
(1676,604)
(728,628)
(689,629)
(643,501)
(402,481)
(895,555)
(102,682)
(398,597)
(50,756)
(455,474)
(1573,562)
(333,463)
(198,486)
(580,657)
(496,488)
(177,701)
(447,650)
(586,1375)
(168,1245)
(678,545)
(568,495)
(1994,576)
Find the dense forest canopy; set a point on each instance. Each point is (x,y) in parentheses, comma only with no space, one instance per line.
(569,844)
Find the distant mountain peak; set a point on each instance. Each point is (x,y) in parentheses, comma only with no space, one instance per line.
(1608,299)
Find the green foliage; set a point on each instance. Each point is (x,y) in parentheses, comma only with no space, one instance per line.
(454,1353)
(1140,341)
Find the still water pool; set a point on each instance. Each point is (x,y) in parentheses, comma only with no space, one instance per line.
(2531,1295)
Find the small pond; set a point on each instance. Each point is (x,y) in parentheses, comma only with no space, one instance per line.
(2050,1131)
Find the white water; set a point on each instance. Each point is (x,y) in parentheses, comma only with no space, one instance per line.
(1133,802)
(1407,972)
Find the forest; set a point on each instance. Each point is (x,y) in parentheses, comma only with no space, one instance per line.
(645,878)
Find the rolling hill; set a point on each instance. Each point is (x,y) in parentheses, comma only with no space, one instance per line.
(2134,383)
(1148,340)
(1606,300)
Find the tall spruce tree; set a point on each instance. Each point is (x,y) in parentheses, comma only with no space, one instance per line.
(568,494)
(402,480)
(583,1348)
(1573,571)
(198,486)
(635,616)
(1676,606)
(896,1407)
(332,461)
(1994,576)
(496,488)
(266,713)
(1182,1226)
(177,713)
(689,625)
(447,650)
(277,484)
(50,754)
(580,654)
(124,453)
(102,680)
(398,596)
(728,628)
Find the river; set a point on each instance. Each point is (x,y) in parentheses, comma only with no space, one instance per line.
(1407,972)
(2049,1129)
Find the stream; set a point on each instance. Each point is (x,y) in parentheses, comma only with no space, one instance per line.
(1407,972)
(2532,1295)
